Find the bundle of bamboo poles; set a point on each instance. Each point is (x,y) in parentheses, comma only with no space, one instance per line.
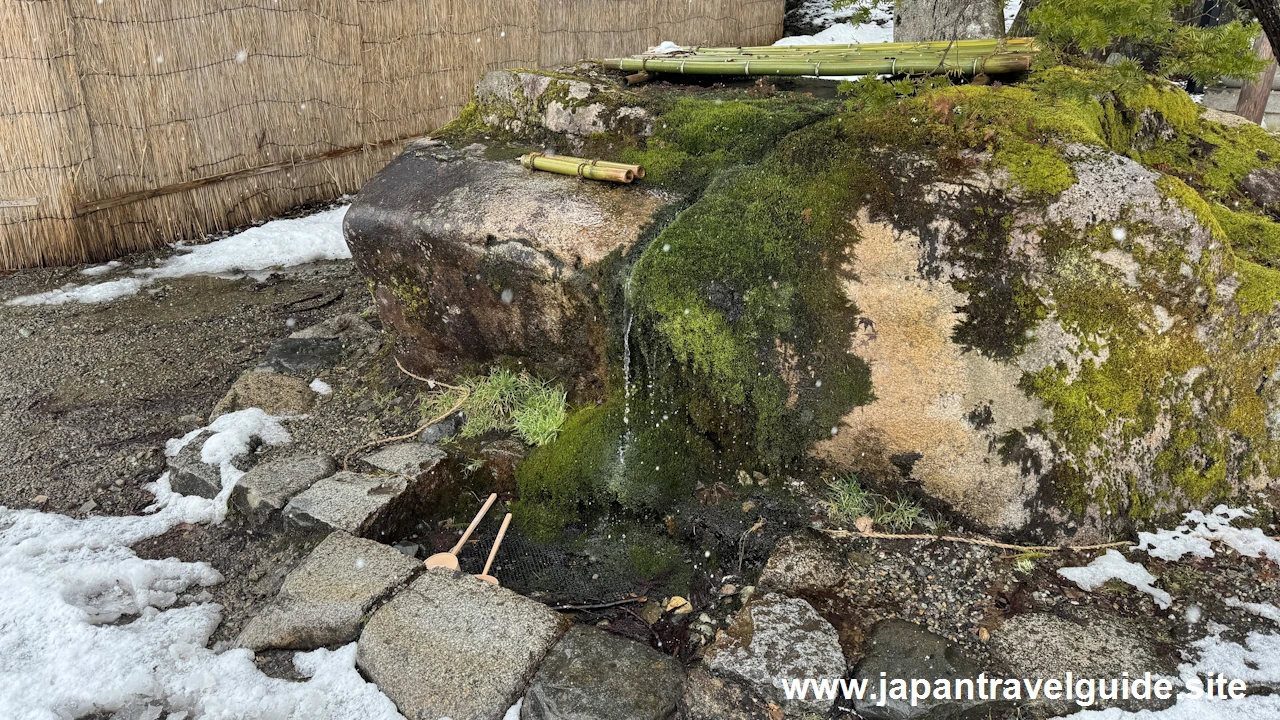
(588,169)
(968,57)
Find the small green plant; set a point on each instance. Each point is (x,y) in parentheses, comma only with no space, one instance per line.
(898,513)
(847,500)
(504,400)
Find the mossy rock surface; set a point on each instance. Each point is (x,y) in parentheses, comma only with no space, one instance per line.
(1048,307)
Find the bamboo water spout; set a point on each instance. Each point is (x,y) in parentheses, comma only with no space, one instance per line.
(967,57)
(587,169)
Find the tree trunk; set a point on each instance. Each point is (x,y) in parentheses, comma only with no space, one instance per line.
(1268,14)
(922,20)
(1252,103)
(1021,25)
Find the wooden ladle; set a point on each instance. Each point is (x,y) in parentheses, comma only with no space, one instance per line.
(450,559)
(493,552)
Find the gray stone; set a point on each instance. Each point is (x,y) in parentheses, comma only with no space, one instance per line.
(422,463)
(439,431)
(775,638)
(453,646)
(1088,645)
(560,110)
(190,475)
(266,488)
(1262,186)
(324,599)
(921,20)
(905,650)
(302,355)
(409,549)
(707,697)
(473,259)
(803,563)
(594,675)
(350,329)
(271,392)
(374,507)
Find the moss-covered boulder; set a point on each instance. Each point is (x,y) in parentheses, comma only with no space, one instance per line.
(1048,309)
(474,260)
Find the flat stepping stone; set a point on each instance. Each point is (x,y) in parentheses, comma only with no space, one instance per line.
(268,487)
(362,505)
(777,638)
(594,675)
(453,646)
(424,463)
(323,600)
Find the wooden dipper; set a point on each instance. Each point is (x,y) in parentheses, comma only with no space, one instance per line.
(493,552)
(450,559)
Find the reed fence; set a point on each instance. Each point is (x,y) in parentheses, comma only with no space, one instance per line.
(126,124)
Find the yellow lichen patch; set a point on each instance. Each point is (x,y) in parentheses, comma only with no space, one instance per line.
(926,386)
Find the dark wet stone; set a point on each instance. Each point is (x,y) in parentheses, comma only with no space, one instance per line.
(303,355)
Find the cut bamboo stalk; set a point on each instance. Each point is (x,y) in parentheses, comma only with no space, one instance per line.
(588,169)
(995,63)
(964,56)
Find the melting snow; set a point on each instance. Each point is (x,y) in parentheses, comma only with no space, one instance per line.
(101,269)
(666,47)
(1194,538)
(321,387)
(91,627)
(1111,566)
(1262,610)
(277,244)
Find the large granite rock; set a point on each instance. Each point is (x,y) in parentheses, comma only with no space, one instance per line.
(474,259)
(946,20)
(899,649)
(324,599)
(1023,422)
(273,393)
(559,109)
(453,646)
(1092,645)
(594,675)
(363,505)
(775,639)
(268,487)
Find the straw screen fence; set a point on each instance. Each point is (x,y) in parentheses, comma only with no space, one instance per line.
(125,124)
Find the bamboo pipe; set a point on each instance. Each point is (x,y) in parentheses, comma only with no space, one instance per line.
(1010,44)
(589,169)
(995,63)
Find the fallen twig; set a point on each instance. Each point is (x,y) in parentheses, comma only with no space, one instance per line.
(466,393)
(985,542)
(601,606)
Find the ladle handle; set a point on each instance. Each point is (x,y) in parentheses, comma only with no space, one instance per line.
(493,552)
(484,509)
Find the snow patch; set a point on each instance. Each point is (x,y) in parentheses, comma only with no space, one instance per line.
(1114,566)
(101,269)
(1262,610)
(233,435)
(277,244)
(321,387)
(88,294)
(91,628)
(1195,537)
(666,47)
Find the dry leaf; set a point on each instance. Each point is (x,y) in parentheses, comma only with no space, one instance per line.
(864,524)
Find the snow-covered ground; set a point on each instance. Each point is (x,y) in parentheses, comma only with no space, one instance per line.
(1257,660)
(254,252)
(87,626)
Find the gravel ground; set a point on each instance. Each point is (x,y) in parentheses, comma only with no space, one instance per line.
(90,393)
